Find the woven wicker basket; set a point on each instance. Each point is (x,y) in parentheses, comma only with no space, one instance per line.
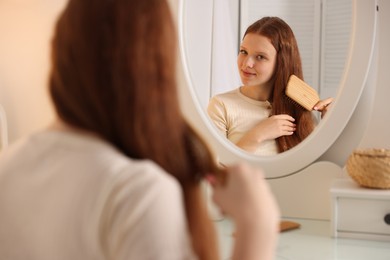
(370,167)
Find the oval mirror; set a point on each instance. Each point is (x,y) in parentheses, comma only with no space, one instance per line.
(360,49)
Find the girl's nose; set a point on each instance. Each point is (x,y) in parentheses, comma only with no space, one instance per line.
(249,62)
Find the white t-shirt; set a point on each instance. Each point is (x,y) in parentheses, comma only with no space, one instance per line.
(234,114)
(67,196)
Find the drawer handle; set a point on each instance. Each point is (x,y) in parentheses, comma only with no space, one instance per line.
(387,219)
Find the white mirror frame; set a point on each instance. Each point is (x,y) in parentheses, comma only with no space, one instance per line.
(364,19)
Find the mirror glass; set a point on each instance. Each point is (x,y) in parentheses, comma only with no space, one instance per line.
(323,43)
(201,49)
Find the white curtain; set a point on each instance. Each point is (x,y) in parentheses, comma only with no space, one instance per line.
(224,75)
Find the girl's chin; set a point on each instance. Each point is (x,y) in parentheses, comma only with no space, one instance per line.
(252,83)
(246,81)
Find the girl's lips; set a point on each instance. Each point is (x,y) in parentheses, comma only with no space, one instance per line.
(247,73)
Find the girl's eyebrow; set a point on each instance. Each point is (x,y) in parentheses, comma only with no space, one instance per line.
(262,53)
(256,52)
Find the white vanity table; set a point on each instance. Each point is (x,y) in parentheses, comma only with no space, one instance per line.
(313,241)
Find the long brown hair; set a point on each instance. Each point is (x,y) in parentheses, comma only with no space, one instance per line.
(288,62)
(113,73)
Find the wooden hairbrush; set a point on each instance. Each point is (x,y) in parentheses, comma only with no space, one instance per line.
(302,93)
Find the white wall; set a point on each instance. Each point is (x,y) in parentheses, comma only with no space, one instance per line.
(25,32)
(378,132)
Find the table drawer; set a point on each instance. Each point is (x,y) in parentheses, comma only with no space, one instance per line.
(371,216)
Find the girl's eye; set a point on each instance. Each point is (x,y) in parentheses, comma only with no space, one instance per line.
(260,57)
(243,52)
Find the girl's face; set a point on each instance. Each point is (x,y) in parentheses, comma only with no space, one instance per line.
(256,60)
